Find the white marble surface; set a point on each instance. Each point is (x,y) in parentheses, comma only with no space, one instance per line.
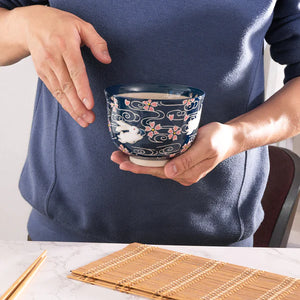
(51,281)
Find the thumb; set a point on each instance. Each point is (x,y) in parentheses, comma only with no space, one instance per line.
(95,42)
(181,163)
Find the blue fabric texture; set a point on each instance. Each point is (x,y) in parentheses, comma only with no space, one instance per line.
(284,36)
(216,46)
(11,4)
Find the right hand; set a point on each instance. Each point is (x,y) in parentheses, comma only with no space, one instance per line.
(53,38)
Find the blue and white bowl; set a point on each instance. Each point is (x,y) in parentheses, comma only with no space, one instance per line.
(149,128)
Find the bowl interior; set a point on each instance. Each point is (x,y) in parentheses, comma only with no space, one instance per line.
(172,90)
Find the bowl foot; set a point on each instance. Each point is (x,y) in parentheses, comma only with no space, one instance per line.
(148,162)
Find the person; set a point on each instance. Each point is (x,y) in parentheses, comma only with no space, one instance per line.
(210,195)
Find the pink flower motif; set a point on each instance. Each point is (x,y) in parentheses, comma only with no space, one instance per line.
(172,155)
(153,129)
(127,102)
(174,132)
(109,126)
(149,105)
(114,105)
(123,149)
(185,147)
(188,102)
(186,117)
(171,117)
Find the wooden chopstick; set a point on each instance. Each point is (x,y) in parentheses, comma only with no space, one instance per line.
(19,285)
(26,281)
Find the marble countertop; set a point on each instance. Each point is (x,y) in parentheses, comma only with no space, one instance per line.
(51,281)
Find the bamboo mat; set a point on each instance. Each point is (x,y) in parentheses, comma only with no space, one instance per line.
(158,273)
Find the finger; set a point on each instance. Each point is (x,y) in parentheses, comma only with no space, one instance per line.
(52,84)
(95,42)
(131,167)
(196,173)
(77,71)
(180,164)
(69,90)
(119,157)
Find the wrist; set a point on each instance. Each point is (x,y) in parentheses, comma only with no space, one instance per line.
(17,27)
(239,140)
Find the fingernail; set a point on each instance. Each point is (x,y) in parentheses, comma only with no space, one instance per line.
(106,55)
(88,118)
(171,170)
(121,167)
(85,101)
(81,122)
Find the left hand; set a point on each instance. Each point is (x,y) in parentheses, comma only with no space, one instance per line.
(214,143)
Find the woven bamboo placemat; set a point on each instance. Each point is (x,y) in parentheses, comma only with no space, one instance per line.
(158,273)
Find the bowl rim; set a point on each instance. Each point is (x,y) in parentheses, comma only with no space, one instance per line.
(176,89)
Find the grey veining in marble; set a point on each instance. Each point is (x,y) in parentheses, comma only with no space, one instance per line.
(51,282)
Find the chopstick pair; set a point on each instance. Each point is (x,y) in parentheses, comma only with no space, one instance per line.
(18,286)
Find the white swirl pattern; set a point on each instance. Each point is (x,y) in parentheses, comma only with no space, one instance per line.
(157,123)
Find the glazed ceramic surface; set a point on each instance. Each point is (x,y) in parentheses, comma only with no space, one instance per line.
(153,123)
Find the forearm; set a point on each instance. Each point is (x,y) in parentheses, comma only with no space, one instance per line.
(275,120)
(11,47)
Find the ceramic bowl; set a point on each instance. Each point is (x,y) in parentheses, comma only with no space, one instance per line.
(153,122)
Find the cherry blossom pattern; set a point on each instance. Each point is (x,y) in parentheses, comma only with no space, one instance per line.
(172,155)
(185,147)
(123,149)
(171,117)
(174,132)
(188,102)
(152,129)
(149,105)
(114,105)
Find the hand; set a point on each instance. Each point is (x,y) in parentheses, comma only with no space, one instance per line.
(214,143)
(53,38)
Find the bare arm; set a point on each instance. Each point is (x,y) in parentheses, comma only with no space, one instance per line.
(275,120)
(11,48)
(53,38)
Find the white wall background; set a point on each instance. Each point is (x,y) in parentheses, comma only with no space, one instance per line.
(17,91)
